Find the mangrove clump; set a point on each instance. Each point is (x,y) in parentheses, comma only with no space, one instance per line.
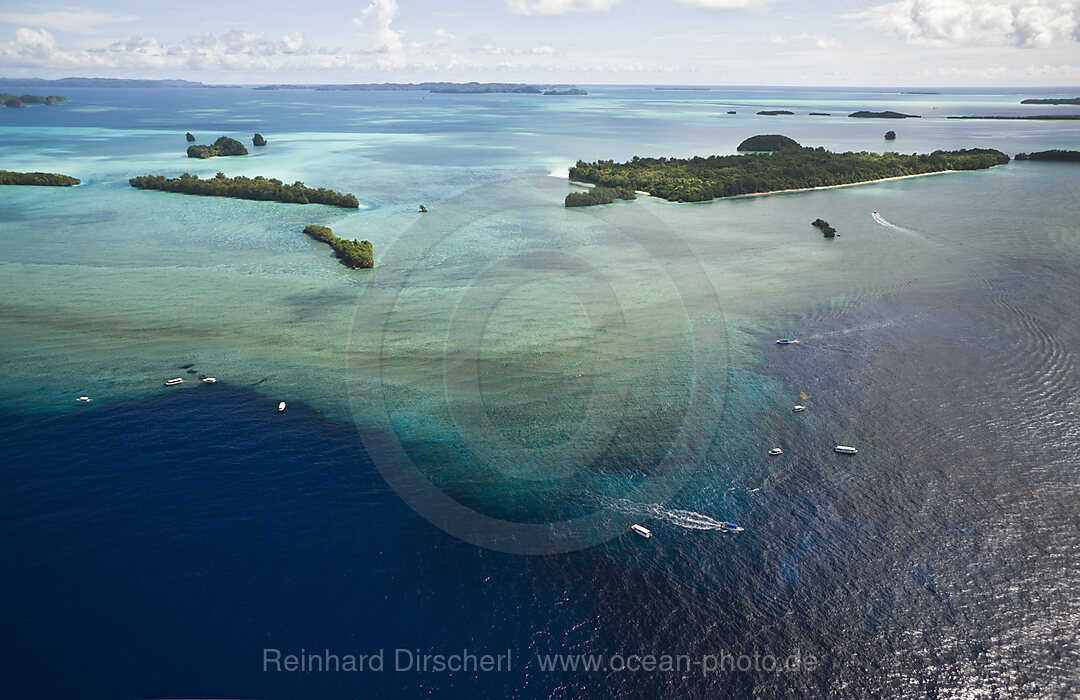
(257,188)
(224,146)
(355,254)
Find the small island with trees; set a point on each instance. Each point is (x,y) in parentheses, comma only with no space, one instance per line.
(190,137)
(571,91)
(224,146)
(355,254)
(768,142)
(1056,154)
(823,226)
(13,101)
(883,115)
(8,177)
(787,168)
(258,140)
(258,188)
(890,135)
(775,113)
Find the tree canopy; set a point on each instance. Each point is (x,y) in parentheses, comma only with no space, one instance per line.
(258,140)
(8,177)
(698,179)
(224,146)
(257,188)
(768,142)
(356,254)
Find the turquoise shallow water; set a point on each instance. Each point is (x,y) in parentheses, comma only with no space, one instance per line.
(540,365)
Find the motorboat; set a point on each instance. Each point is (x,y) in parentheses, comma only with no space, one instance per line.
(776,451)
(787,341)
(84,399)
(641,530)
(845,449)
(209,380)
(730,527)
(281,406)
(797,408)
(174,382)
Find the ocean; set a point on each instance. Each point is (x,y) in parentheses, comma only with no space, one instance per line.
(473,425)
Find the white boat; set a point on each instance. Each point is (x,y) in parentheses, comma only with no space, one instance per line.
(730,527)
(787,341)
(641,530)
(209,380)
(845,449)
(174,382)
(776,451)
(281,406)
(796,409)
(84,399)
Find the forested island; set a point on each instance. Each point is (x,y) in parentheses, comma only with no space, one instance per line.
(883,115)
(13,101)
(820,114)
(356,254)
(258,140)
(1049,117)
(823,226)
(890,135)
(1056,154)
(1051,101)
(598,195)
(768,142)
(571,91)
(775,112)
(190,137)
(224,146)
(258,188)
(792,168)
(8,177)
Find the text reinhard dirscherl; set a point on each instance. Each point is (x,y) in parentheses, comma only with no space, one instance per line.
(415,661)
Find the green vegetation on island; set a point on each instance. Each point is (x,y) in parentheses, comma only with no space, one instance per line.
(258,188)
(768,142)
(571,91)
(883,115)
(1052,101)
(435,87)
(823,225)
(1056,154)
(8,177)
(258,140)
(224,146)
(890,135)
(698,179)
(1048,117)
(13,101)
(190,137)
(820,114)
(775,112)
(356,254)
(598,195)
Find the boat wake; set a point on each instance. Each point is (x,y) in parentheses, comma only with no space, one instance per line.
(888,224)
(681,518)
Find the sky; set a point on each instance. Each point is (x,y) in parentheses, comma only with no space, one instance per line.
(1014,43)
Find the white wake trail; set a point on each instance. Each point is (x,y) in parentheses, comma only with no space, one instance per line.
(688,519)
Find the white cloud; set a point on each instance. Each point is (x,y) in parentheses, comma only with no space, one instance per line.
(559,7)
(723,4)
(945,22)
(375,21)
(805,39)
(75,21)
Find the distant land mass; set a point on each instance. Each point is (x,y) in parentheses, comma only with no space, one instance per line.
(820,114)
(768,142)
(789,168)
(1051,101)
(571,91)
(1056,154)
(1049,117)
(438,88)
(883,115)
(99,82)
(918,92)
(774,112)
